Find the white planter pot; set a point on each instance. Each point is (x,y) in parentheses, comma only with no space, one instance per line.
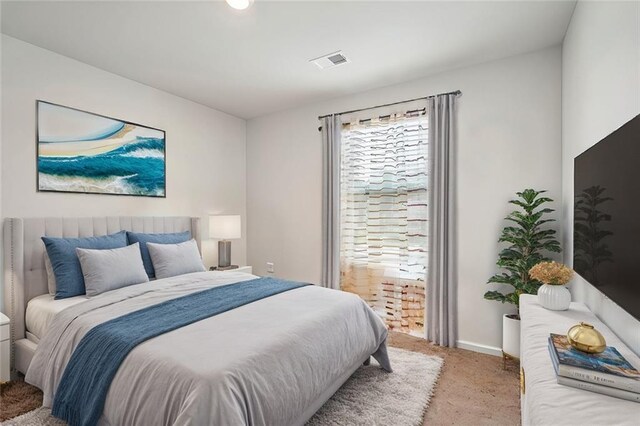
(511,335)
(554,297)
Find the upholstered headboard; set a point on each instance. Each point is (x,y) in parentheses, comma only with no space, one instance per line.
(25,276)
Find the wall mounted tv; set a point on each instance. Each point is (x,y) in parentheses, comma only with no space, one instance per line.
(606,220)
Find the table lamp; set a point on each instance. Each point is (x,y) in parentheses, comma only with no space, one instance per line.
(225,228)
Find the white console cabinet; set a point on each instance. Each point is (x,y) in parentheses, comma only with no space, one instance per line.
(5,349)
(543,400)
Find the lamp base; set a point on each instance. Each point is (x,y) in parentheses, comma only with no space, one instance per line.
(224,253)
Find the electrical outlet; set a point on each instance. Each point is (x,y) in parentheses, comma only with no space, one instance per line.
(270,268)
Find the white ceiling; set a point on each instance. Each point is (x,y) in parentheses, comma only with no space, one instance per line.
(250,63)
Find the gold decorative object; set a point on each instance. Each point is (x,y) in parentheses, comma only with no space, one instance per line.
(587,339)
(522,381)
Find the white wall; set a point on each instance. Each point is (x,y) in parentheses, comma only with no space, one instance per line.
(1,97)
(600,92)
(205,148)
(509,139)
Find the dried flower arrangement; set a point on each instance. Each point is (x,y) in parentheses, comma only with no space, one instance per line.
(551,273)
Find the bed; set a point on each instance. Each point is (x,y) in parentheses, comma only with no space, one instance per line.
(273,361)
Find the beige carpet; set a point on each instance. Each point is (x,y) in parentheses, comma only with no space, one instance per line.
(17,398)
(472,388)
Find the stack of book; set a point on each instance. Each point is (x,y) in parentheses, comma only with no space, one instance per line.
(608,373)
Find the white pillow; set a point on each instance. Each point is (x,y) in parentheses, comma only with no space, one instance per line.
(170,260)
(51,277)
(105,270)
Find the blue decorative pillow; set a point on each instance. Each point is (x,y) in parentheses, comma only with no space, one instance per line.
(143,239)
(66,265)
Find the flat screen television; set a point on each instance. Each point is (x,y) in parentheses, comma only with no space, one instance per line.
(606,220)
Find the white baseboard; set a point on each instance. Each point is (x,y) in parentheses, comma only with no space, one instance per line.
(476,347)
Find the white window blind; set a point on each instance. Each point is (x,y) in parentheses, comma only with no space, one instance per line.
(383,243)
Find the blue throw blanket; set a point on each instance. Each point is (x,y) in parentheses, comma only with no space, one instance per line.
(82,392)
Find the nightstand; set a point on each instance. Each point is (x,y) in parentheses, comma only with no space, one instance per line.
(244,269)
(5,351)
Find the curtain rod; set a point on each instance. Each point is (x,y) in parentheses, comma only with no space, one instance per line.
(456,92)
(411,113)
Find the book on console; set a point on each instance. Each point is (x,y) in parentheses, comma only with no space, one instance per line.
(608,368)
(594,387)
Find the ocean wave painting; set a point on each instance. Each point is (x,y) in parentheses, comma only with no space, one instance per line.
(83,152)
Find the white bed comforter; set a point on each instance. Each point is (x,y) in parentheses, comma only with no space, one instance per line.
(271,362)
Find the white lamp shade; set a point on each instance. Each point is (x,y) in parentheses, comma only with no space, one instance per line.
(225,227)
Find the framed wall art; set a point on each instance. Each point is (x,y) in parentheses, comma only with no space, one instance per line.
(79,151)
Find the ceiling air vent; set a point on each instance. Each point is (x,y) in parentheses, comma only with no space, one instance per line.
(330,60)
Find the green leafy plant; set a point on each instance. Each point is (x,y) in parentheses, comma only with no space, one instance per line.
(528,242)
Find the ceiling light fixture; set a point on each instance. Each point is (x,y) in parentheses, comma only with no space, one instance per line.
(239,4)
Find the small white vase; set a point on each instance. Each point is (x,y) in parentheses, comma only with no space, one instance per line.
(554,297)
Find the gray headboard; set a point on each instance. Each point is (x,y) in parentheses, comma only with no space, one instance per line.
(25,276)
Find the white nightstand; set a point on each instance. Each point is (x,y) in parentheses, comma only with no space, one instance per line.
(5,349)
(245,269)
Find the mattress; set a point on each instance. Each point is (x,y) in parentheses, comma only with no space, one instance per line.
(41,311)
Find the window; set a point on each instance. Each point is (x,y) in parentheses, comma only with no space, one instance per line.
(383,243)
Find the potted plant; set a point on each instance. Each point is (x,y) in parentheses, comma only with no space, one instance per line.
(528,241)
(553,275)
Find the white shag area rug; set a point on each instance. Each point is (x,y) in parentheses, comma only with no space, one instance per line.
(38,417)
(374,397)
(370,397)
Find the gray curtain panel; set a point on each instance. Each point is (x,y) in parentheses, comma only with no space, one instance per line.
(441,276)
(331,129)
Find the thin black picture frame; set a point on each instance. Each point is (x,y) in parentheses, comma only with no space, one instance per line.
(164,173)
